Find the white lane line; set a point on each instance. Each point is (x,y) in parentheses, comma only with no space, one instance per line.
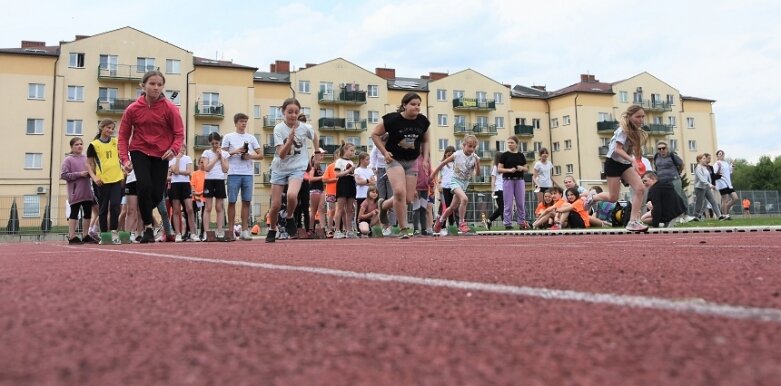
(695,306)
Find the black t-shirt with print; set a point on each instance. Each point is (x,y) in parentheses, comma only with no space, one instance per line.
(404,135)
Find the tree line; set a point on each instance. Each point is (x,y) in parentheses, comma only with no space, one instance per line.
(765,175)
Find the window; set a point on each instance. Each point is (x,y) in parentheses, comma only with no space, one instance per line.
(673,145)
(209,99)
(353,119)
(658,120)
(173,66)
(173,96)
(459,122)
(443,143)
(257,171)
(458,94)
(106,94)
(76,60)
(554,123)
(34,126)
(328,140)
(256,111)
(570,169)
(74,127)
(565,120)
(145,64)
(441,95)
(603,117)
(304,86)
(109,63)
(354,140)
(76,93)
(692,168)
(692,145)
(270,139)
(670,99)
(501,146)
(327,88)
(567,144)
(374,116)
(33,160)
(671,121)
(536,123)
(638,96)
(604,141)
(499,122)
(690,123)
(307,111)
(373,91)
(32,206)
(623,96)
(537,146)
(498,98)
(442,119)
(557,170)
(208,129)
(523,146)
(556,146)
(35,91)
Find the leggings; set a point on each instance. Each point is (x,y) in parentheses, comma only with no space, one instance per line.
(109,198)
(447,197)
(151,173)
(499,211)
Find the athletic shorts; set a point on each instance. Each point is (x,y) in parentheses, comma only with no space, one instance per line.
(85,206)
(410,167)
(726,191)
(614,168)
(214,188)
(130,189)
(181,191)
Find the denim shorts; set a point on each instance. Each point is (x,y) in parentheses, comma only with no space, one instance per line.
(456,183)
(236,182)
(281,178)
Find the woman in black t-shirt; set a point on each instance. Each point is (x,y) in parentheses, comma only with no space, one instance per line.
(407,131)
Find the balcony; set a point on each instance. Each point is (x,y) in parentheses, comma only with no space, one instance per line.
(602,150)
(486,154)
(655,106)
(269,122)
(478,129)
(481,179)
(269,150)
(530,158)
(123,72)
(113,106)
(474,104)
(202,142)
(209,111)
(341,124)
(658,129)
(607,127)
(342,97)
(330,149)
(524,130)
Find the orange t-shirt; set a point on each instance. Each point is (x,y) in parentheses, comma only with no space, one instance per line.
(746,203)
(330,174)
(540,208)
(559,203)
(578,208)
(197,181)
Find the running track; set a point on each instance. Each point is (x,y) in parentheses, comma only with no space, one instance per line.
(658,309)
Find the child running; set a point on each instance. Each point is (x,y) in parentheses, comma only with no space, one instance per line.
(464,162)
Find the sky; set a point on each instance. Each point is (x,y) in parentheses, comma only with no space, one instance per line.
(725,50)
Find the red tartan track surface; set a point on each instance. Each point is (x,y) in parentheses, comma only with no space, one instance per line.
(668,308)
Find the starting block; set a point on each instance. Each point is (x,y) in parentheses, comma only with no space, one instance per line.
(211,236)
(124,237)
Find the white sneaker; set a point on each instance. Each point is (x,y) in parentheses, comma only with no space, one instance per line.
(339,235)
(219,234)
(636,226)
(178,238)
(443,232)
(245,235)
(387,232)
(194,238)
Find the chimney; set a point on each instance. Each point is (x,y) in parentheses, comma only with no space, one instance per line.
(385,73)
(79,37)
(436,75)
(32,44)
(586,78)
(283,66)
(310,65)
(425,77)
(541,88)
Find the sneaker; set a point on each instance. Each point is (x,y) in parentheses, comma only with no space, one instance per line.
(488,225)
(508,227)
(523,225)
(290,228)
(351,235)
(94,235)
(387,232)
(405,233)
(383,212)
(220,234)
(429,232)
(271,236)
(193,238)
(178,238)
(463,228)
(589,201)
(695,219)
(75,240)
(438,226)
(636,226)
(728,217)
(115,238)
(329,234)
(245,235)
(443,233)
(148,236)
(339,235)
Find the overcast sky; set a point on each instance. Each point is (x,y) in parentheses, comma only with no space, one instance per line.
(725,50)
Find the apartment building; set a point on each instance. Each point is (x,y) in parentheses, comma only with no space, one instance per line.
(54,93)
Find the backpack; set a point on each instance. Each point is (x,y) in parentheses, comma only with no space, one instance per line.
(674,157)
(621,213)
(713,175)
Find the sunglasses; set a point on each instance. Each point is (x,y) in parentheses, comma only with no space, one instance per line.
(661,148)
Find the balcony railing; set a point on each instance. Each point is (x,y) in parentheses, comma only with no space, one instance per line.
(486,154)
(478,129)
(269,150)
(524,130)
(113,106)
(530,158)
(474,104)
(270,122)
(603,151)
(330,149)
(658,129)
(655,106)
(606,127)
(209,111)
(123,72)
(202,142)
(342,97)
(481,179)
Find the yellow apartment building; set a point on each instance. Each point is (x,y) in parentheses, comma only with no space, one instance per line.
(54,93)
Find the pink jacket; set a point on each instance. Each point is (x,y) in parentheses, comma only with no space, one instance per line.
(154,128)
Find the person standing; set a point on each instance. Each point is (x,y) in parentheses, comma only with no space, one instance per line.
(669,167)
(289,165)
(106,173)
(243,148)
(724,184)
(150,134)
(512,165)
(497,185)
(181,197)
(215,164)
(542,176)
(702,188)
(408,138)
(75,171)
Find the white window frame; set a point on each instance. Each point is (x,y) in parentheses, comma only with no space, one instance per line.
(603,117)
(177,101)
(31,206)
(692,145)
(328,140)
(481,96)
(173,66)
(355,140)
(570,168)
(554,123)
(373,91)
(671,99)
(671,121)
(36,124)
(442,119)
(148,64)
(74,127)
(304,86)
(557,170)
(555,146)
(208,128)
(689,122)
(498,99)
(256,112)
(565,120)
(107,94)
(567,144)
(499,121)
(210,99)
(443,143)
(33,161)
(75,94)
(458,94)
(673,145)
(537,146)
(374,116)
(36,91)
(307,111)
(441,95)
(76,60)
(536,123)
(623,96)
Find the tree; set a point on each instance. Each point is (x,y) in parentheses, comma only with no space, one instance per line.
(765,175)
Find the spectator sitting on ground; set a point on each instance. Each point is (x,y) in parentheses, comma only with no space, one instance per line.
(601,211)
(664,204)
(547,202)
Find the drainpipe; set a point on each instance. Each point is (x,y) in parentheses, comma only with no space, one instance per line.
(577,138)
(51,149)
(187,106)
